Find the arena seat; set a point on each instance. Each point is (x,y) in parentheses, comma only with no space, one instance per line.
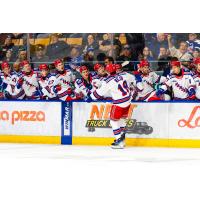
(43,41)
(18,42)
(122,39)
(74,41)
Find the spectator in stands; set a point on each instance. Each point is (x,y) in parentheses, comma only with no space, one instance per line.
(180,53)
(22,55)
(56,49)
(193,43)
(8,44)
(101,57)
(89,59)
(161,40)
(196,53)
(91,44)
(76,58)
(163,59)
(147,54)
(9,56)
(108,47)
(126,55)
(40,56)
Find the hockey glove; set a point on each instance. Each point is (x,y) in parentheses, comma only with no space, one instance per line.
(191,93)
(160,92)
(138,77)
(56,88)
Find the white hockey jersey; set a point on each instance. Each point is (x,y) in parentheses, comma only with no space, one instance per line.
(30,85)
(65,80)
(180,84)
(148,82)
(197,82)
(118,86)
(11,81)
(46,85)
(83,88)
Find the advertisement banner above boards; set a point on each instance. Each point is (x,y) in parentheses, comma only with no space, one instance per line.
(148,124)
(30,121)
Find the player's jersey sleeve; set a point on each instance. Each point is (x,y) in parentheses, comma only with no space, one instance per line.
(167,84)
(101,92)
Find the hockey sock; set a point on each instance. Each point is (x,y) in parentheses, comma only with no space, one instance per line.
(116,128)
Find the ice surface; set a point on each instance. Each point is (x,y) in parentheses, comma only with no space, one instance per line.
(100,153)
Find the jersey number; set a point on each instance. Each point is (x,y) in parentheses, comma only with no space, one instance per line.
(123,88)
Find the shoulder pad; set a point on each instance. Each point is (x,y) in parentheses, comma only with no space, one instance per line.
(109,79)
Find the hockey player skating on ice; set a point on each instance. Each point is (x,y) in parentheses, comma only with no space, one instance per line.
(181,81)
(117,85)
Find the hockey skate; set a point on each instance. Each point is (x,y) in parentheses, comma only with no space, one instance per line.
(119,143)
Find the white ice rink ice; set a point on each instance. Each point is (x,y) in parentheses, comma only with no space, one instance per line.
(99,153)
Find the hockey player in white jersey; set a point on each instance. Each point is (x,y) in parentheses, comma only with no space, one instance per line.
(181,81)
(88,82)
(64,82)
(149,79)
(117,85)
(29,82)
(136,84)
(46,81)
(8,83)
(197,77)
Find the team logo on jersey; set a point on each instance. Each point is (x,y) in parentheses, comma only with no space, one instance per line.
(100,118)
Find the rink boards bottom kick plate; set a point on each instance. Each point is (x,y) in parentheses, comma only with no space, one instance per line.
(140,142)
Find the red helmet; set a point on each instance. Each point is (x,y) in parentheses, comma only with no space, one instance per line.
(118,66)
(82,68)
(97,66)
(143,63)
(111,68)
(175,63)
(58,61)
(43,67)
(196,61)
(5,64)
(25,62)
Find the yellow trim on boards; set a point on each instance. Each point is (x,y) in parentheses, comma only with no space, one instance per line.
(30,139)
(139,142)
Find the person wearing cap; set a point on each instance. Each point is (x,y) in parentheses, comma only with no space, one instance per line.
(181,52)
(8,83)
(149,80)
(56,49)
(126,55)
(28,81)
(46,81)
(63,85)
(181,81)
(40,57)
(193,42)
(197,77)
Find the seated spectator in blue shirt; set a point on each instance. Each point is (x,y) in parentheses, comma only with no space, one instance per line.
(147,54)
(57,49)
(91,44)
(76,58)
(193,42)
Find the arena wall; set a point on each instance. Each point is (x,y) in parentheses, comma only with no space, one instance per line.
(156,124)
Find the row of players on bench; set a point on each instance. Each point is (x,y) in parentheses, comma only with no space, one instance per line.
(145,85)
